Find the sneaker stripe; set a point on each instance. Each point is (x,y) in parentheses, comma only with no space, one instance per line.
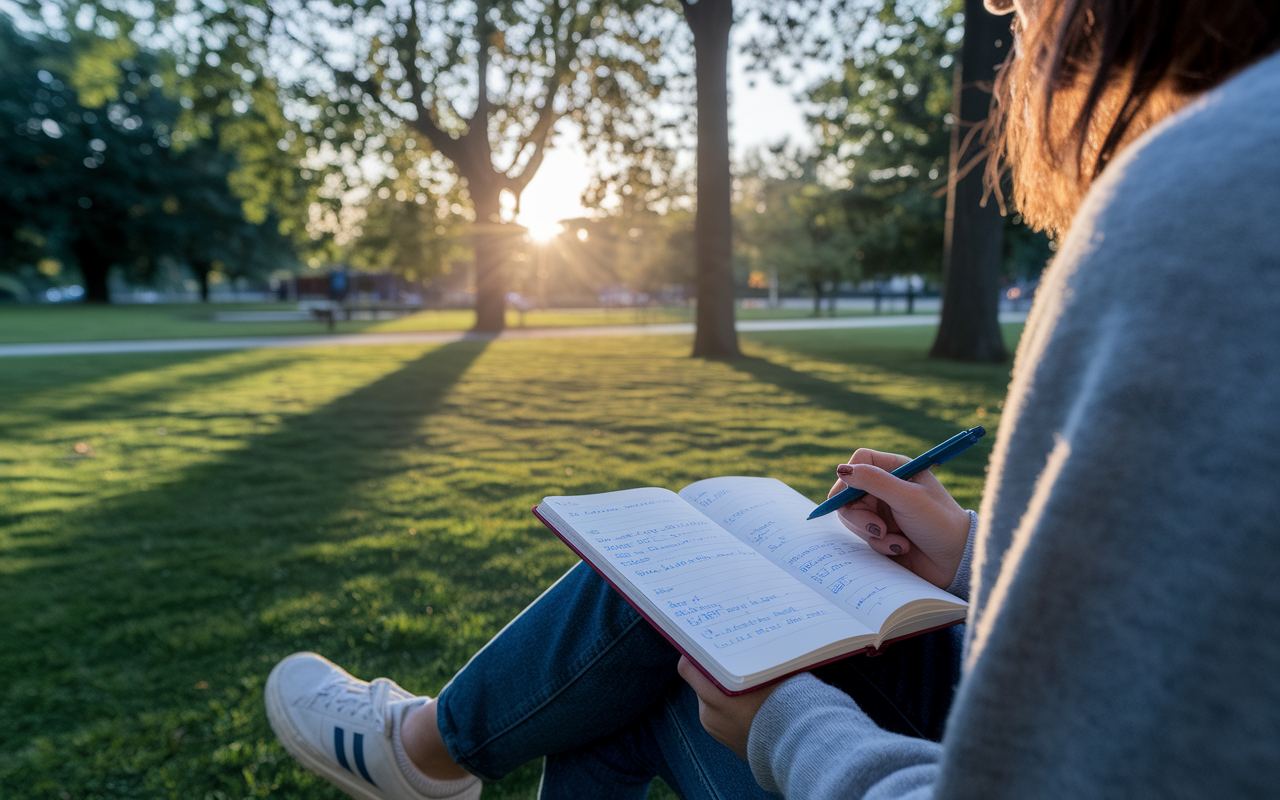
(358,746)
(340,747)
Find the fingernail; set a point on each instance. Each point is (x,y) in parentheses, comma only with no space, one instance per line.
(874,530)
(896,548)
(844,469)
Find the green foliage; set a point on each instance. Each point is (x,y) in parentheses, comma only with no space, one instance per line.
(481,87)
(454,102)
(173,524)
(871,201)
(406,227)
(791,223)
(220,91)
(115,184)
(640,252)
(884,129)
(866,203)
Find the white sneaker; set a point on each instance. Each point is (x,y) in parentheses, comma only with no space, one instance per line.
(340,728)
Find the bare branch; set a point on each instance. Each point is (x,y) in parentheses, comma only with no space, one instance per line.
(449,147)
(540,134)
(409,59)
(484,32)
(407,50)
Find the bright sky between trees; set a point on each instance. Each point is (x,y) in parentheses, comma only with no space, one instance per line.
(761,114)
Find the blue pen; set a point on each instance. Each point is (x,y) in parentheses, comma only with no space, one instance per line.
(944,452)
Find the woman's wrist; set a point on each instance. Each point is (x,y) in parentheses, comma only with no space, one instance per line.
(960,583)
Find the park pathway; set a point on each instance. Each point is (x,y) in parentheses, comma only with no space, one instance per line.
(443,337)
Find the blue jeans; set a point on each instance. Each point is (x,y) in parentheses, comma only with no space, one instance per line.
(580,678)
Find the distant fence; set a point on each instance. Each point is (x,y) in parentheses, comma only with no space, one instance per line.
(885,303)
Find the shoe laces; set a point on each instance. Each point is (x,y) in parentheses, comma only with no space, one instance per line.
(364,702)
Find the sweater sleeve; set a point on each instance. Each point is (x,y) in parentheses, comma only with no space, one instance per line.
(810,740)
(960,585)
(805,721)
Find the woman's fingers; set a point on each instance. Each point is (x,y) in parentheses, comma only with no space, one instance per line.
(876,481)
(836,488)
(885,461)
(694,677)
(867,524)
(893,544)
(873,530)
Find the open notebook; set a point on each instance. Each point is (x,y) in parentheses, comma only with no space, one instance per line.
(731,572)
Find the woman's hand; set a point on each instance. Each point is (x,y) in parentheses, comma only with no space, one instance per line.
(726,718)
(914,522)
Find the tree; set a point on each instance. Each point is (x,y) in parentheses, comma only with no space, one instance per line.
(793,224)
(710,21)
(885,127)
(401,233)
(94,175)
(970,327)
(211,234)
(882,132)
(484,84)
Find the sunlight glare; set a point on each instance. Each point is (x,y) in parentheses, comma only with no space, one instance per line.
(543,231)
(555,193)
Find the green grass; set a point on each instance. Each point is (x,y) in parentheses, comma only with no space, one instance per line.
(173,524)
(75,323)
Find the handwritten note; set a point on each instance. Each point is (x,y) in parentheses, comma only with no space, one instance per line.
(770,517)
(715,587)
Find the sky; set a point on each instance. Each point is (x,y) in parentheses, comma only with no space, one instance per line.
(759,115)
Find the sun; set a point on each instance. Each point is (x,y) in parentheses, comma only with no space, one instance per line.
(543,231)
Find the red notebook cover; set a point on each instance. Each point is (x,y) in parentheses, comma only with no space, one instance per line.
(869,651)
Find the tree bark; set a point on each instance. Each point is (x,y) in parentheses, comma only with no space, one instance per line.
(715,336)
(472,157)
(490,247)
(974,237)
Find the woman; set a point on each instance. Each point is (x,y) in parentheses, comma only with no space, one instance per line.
(1124,635)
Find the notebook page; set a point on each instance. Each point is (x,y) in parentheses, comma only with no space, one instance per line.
(770,516)
(717,592)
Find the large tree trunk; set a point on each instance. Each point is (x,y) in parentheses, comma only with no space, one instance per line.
(488,242)
(974,238)
(710,21)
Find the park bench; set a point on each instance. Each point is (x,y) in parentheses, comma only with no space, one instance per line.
(329,311)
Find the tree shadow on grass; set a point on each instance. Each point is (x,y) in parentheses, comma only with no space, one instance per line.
(28,377)
(125,402)
(834,397)
(153,617)
(901,352)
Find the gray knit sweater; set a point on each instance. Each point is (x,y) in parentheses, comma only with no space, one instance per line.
(1124,635)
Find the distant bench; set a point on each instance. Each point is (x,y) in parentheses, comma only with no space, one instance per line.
(328,311)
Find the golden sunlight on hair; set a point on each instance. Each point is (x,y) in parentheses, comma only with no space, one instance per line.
(1088,77)
(1040,136)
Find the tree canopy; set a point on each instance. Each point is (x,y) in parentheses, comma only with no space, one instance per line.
(472,90)
(101,174)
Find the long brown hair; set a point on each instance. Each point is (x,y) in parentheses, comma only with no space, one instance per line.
(1086,77)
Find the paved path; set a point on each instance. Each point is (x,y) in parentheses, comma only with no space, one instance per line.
(441,337)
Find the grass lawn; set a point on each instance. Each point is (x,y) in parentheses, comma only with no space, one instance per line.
(173,524)
(76,322)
